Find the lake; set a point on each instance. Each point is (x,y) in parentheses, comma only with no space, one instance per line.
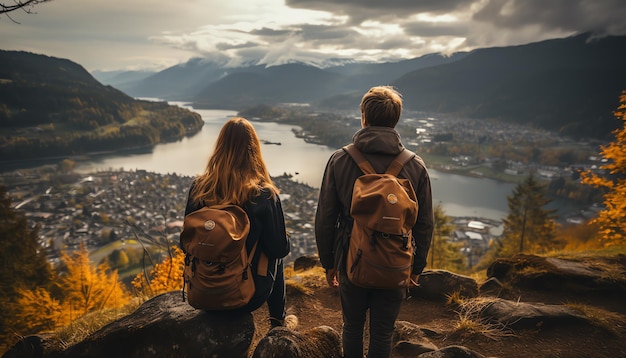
(458,195)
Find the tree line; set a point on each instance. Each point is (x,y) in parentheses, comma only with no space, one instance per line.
(88,130)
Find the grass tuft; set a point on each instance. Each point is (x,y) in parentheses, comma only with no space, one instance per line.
(306,281)
(471,321)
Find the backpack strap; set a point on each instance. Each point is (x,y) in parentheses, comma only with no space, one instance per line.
(360,160)
(396,165)
(394,168)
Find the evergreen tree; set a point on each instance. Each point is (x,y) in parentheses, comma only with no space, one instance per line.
(23,263)
(529,226)
(612,219)
(444,254)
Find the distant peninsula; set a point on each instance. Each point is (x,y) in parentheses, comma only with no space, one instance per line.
(51,107)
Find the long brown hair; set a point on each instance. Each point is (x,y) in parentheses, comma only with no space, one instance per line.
(236,172)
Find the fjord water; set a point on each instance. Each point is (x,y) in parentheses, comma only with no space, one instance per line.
(458,195)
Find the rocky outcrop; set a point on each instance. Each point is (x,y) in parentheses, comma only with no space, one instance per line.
(512,314)
(555,274)
(164,326)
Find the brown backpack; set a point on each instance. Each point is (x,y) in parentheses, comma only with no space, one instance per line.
(384,208)
(217,271)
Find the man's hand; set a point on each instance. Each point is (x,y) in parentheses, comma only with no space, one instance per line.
(331,278)
(414,280)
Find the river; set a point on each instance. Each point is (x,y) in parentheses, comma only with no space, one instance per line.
(458,195)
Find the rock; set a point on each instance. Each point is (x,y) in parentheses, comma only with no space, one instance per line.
(512,314)
(322,341)
(439,284)
(492,286)
(165,326)
(554,274)
(31,346)
(410,340)
(303,263)
(452,352)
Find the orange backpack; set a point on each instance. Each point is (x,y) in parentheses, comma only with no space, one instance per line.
(217,271)
(384,208)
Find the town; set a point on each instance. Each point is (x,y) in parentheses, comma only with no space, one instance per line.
(93,210)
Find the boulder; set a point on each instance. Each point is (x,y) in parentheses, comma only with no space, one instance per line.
(491,286)
(513,314)
(164,326)
(303,263)
(439,284)
(409,340)
(555,274)
(322,341)
(452,352)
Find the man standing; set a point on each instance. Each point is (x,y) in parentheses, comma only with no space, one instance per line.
(380,143)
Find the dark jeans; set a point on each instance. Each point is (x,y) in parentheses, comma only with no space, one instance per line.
(270,289)
(383,305)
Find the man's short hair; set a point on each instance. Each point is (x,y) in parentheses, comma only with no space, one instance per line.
(381,106)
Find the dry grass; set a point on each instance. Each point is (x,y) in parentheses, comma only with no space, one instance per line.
(471,321)
(81,328)
(306,281)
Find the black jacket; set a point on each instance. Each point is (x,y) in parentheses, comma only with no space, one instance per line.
(267,226)
(379,145)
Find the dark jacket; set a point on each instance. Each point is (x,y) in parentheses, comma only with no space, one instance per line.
(379,145)
(267,226)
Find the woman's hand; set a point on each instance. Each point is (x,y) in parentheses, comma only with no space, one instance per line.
(331,278)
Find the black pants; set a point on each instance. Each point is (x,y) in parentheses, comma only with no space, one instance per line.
(383,306)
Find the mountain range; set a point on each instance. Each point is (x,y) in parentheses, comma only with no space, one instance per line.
(569,85)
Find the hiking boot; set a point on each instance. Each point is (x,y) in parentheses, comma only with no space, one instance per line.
(290,322)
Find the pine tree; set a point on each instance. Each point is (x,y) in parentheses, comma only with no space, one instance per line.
(444,254)
(529,226)
(612,219)
(23,264)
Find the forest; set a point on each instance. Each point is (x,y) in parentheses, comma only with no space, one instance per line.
(54,107)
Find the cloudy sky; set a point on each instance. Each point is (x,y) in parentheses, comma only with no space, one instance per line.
(155,34)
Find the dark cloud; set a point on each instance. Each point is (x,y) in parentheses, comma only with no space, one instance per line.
(435,29)
(601,16)
(361,10)
(432,6)
(267,32)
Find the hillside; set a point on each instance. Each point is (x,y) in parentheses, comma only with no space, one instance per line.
(54,107)
(530,306)
(568,85)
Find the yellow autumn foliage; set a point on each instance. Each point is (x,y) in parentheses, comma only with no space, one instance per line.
(612,219)
(39,311)
(163,277)
(81,288)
